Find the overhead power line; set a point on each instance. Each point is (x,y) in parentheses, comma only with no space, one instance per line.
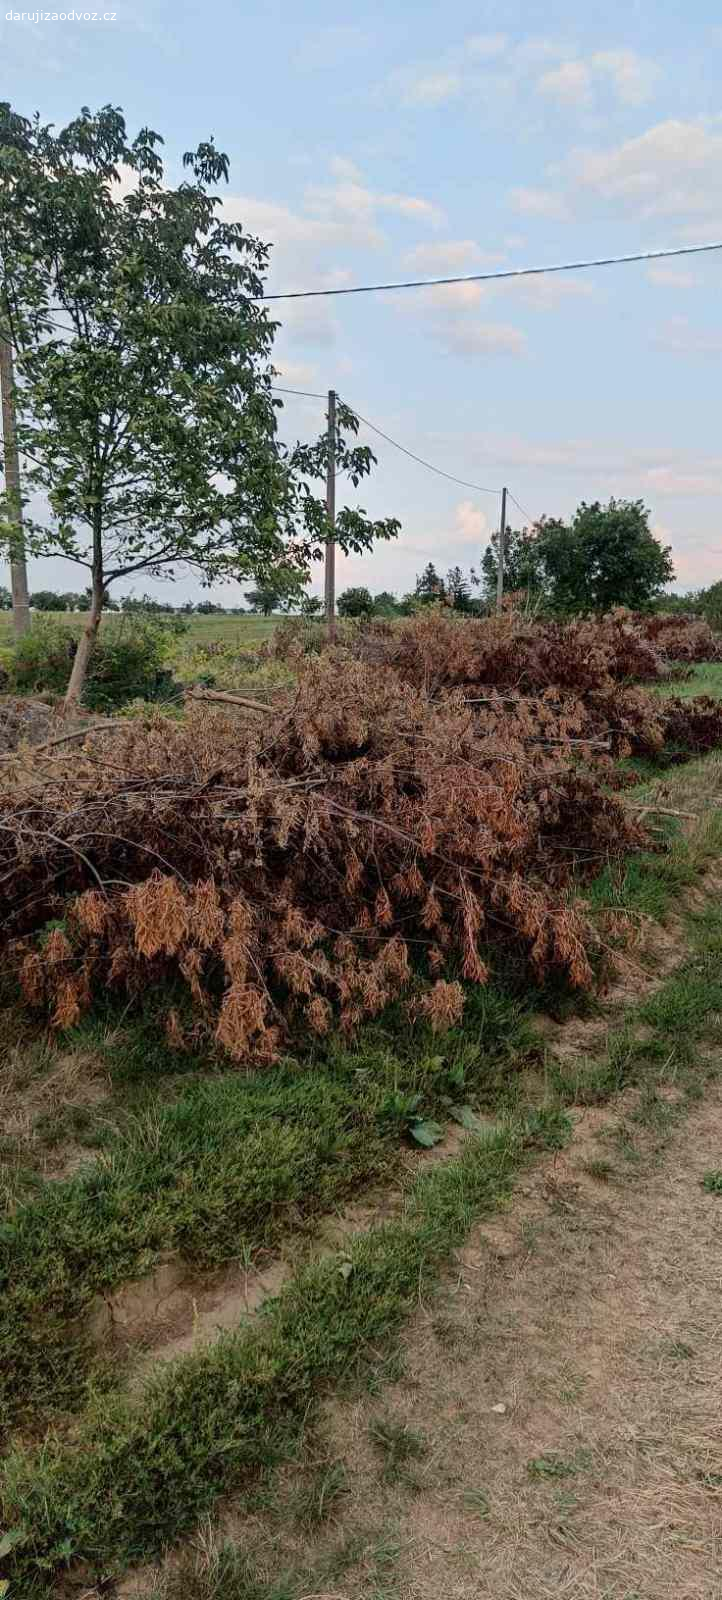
(308,394)
(494,277)
(521,508)
(465,484)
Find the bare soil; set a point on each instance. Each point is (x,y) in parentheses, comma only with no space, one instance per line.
(568,1386)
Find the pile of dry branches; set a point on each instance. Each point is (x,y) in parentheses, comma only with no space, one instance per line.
(293,869)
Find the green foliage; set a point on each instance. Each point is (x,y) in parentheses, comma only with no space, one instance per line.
(130,662)
(429,586)
(151,426)
(48,600)
(712,1182)
(355,603)
(385,604)
(278,592)
(709,603)
(607,556)
(523,568)
(6,599)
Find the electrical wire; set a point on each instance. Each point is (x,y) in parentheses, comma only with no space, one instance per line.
(532,520)
(492,277)
(309,394)
(464,482)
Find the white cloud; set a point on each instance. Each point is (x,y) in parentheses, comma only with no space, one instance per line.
(297,373)
(314,241)
(431,88)
(540,203)
(471,525)
(673,168)
(664,277)
(674,480)
(453,255)
(680,337)
(570,83)
(632,78)
(350,198)
(575,82)
(454,296)
(465,338)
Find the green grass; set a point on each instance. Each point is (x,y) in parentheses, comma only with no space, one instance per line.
(712,1182)
(136,1474)
(243,631)
(222,1172)
(705,678)
(656,1044)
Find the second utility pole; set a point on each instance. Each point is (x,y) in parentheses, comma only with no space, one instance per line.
(18,569)
(502,552)
(330,574)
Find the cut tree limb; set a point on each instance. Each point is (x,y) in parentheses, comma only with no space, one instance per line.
(224,695)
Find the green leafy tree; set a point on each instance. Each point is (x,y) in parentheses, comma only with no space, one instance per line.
(458,591)
(6,599)
(264,598)
(143,606)
(430,586)
(709,603)
(279,591)
(311,605)
(355,603)
(386,604)
(607,556)
(48,600)
(523,566)
(143,355)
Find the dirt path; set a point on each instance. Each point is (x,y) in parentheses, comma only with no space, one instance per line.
(568,1385)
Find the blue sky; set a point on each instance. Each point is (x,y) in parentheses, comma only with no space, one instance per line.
(394,141)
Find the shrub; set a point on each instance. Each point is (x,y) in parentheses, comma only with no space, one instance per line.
(129,661)
(355,603)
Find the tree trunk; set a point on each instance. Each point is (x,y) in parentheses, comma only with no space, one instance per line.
(84,651)
(18,568)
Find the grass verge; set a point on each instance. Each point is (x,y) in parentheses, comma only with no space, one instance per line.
(222,1173)
(139,1474)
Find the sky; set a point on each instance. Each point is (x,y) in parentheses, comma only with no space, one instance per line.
(390,141)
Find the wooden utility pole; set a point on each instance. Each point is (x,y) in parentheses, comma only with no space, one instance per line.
(330,575)
(502,552)
(18,569)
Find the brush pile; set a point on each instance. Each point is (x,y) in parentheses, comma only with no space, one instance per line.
(417,798)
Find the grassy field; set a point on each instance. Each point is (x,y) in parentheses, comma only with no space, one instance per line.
(243,631)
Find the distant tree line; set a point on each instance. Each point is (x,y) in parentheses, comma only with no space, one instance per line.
(604,556)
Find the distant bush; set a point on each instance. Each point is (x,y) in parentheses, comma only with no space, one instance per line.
(355,603)
(129,661)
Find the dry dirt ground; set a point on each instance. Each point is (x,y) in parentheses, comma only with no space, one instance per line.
(568,1387)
